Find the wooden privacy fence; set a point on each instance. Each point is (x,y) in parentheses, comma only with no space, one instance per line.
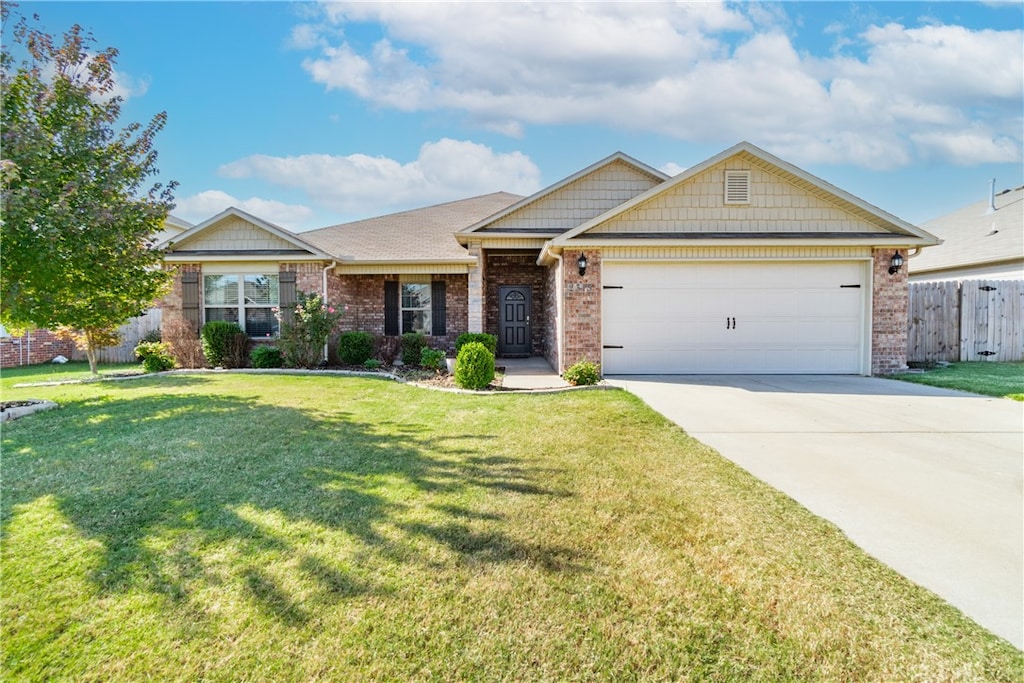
(966,320)
(132,333)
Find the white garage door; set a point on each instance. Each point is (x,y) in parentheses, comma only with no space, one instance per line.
(723,318)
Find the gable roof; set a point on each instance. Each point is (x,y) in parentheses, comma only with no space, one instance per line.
(976,236)
(887,223)
(424,235)
(617,158)
(291,244)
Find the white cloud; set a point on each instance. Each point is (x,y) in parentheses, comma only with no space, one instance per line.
(707,72)
(204,205)
(359,184)
(672,169)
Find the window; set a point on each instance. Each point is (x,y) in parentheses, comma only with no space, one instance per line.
(244,299)
(415,305)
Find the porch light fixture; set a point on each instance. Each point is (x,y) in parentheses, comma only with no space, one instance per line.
(582,263)
(895,263)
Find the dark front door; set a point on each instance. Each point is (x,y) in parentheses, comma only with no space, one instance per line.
(514,337)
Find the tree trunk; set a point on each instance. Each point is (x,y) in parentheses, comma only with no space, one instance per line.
(90,351)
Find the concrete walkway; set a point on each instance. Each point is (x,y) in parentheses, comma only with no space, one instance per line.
(927,480)
(529,373)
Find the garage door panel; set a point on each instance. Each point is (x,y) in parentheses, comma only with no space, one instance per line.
(734,318)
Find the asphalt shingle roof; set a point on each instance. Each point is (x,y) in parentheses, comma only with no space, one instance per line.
(973,236)
(426,234)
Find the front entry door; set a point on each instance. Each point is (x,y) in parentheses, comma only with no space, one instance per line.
(514,338)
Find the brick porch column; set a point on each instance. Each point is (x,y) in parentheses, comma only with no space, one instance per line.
(889,304)
(582,309)
(476,289)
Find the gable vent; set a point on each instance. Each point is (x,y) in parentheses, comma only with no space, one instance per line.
(737,187)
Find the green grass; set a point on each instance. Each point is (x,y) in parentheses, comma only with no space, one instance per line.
(1005,380)
(59,372)
(238,527)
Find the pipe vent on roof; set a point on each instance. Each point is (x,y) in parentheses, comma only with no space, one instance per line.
(737,187)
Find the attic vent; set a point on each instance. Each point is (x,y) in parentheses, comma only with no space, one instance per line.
(737,187)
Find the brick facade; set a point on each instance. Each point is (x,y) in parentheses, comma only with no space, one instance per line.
(37,346)
(582,336)
(551,316)
(519,269)
(170,304)
(889,310)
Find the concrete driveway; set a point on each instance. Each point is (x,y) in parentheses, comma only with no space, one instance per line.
(927,480)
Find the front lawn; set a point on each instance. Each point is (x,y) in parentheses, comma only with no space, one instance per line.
(1005,380)
(241,527)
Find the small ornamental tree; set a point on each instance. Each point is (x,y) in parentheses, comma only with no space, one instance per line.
(79,214)
(305,331)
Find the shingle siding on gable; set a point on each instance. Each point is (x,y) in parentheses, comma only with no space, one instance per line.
(578,201)
(235,234)
(698,205)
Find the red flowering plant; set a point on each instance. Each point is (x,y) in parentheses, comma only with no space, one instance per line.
(305,328)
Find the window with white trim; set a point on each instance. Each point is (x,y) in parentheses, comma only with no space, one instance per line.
(246,299)
(415,305)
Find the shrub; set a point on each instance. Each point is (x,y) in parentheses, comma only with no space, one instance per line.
(583,373)
(474,366)
(219,342)
(186,346)
(432,359)
(156,356)
(355,348)
(488,340)
(266,357)
(372,364)
(152,336)
(238,350)
(413,344)
(386,349)
(304,333)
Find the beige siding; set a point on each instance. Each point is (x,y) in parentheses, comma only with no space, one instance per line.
(698,205)
(579,201)
(733,253)
(236,234)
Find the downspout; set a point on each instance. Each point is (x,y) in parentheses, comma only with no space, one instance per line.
(324,278)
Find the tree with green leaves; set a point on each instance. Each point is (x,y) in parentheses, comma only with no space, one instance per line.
(79,208)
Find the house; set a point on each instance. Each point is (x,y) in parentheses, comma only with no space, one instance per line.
(743,263)
(984,240)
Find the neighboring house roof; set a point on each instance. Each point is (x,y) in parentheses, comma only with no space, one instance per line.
(233,233)
(572,200)
(976,237)
(690,219)
(172,226)
(419,235)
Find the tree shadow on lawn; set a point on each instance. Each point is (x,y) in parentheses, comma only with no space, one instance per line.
(186,492)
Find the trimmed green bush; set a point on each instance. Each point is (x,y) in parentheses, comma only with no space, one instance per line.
(219,341)
(488,340)
(372,364)
(355,348)
(474,366)
(432,359)
(156,356)
(583,373)
(413,344)
(267,357)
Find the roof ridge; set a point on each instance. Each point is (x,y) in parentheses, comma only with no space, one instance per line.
(421,209)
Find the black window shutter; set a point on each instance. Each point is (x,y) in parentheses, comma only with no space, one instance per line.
(286,292)
(437,308)
(190,298)
(391,307)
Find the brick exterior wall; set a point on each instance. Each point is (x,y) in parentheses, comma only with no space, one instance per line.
(889,310)
(582,309)
(518,268)
(170,305)
(37,346)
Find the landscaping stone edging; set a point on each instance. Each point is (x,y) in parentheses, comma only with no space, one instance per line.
(14,412)
(345,373)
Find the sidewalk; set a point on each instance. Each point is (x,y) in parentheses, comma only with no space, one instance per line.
(529,373)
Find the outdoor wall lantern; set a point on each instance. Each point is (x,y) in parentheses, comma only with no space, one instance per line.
(895,263)
(582,263)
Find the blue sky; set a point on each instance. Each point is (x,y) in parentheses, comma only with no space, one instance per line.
(309,114)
